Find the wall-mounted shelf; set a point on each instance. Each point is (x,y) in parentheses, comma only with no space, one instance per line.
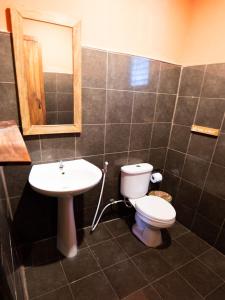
(205,130)
(12,146)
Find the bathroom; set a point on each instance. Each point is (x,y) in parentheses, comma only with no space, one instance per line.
(149,70)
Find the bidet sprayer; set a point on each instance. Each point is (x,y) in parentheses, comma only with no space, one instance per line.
(105,167)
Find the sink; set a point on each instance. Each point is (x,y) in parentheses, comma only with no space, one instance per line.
(65,180)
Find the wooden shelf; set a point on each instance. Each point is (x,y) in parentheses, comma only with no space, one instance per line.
(12,146)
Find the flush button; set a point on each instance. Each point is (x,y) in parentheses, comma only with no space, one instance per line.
(138,166)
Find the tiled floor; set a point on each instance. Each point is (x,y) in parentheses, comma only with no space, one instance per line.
(112,264)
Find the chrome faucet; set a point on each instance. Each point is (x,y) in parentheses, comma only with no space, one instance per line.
(61,166)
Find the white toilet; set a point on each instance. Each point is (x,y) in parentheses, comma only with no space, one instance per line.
(152,212)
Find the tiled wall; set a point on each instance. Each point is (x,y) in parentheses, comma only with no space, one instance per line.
(58,98)
(195,163)
(128,104)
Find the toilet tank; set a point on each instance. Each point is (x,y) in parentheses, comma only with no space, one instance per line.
(135,180)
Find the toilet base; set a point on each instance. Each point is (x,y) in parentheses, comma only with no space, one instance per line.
(151,237)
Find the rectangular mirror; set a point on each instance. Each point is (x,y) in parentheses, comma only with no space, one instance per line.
(47,55)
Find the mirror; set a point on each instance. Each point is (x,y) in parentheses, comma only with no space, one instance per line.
(48,69)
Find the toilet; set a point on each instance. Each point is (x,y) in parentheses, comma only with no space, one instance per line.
(152,212)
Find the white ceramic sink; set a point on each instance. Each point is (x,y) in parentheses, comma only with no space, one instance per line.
(65,180)
(74,178)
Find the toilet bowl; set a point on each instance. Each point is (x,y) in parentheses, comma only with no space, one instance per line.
(152,212)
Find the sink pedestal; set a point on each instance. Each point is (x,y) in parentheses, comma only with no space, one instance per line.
(66,235)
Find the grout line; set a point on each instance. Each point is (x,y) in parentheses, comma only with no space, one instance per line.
(174,112)
(189,284)
(213,290)
(102,271)
(130,91)
(131,124)
(106,101)
(154,113)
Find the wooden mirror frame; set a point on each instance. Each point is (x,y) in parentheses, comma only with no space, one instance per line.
(17,34)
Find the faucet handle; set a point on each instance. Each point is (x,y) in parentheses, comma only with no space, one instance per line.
(61,164)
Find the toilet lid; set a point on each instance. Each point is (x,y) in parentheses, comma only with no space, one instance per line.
(155,208)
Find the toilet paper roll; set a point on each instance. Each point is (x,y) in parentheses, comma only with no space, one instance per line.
(156,177)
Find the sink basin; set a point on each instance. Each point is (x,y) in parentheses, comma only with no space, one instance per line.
(65,180)
(76,177)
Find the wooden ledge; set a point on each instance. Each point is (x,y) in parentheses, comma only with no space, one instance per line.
(12,145)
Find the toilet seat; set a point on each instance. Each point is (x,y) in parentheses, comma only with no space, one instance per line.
(154,209)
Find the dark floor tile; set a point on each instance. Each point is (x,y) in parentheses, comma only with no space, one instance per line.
(125,278)
(147,293)
(59,294)
(191,80)
(151,265)
(44,252)
(79,266)
(108,253)
(215,261)
(93,287)
(185,110)
(81,239)
(177,230)
(179,138)
(200,277)
(118,226)
(218,294)
(44,278)
(175,255)
(173,287)
(100,234)
(193,243)
(131,244)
